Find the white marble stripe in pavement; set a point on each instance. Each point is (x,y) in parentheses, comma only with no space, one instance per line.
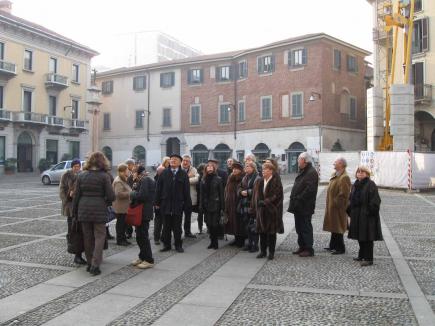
(40,238)
(29,220)
(20,263)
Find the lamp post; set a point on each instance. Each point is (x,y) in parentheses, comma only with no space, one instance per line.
(94,103)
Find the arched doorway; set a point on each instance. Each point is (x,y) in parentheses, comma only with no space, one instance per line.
(107,151)
(199,154)
(139,155)
(24,152)
(261,152)
(293,152)
(172,146)
(222,153)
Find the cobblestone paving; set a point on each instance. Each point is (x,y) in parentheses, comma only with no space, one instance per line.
(415,247)
(40,227)
(267,307)
(424,271)
(410,229)
(31,212)
(154,306)
(7,220)
(7,240)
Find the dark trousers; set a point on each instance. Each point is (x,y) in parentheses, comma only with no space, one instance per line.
(253,236)
(129,230)
(304,230)
(365,250)
(143,241)
(214,230)
(94,237)
(120,227)
(69,221)
(172,223)
(200,220)
(337,242)
(158,225)
(187,220)
(267,241)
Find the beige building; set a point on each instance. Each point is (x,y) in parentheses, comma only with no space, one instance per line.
(423,68)
(44,81)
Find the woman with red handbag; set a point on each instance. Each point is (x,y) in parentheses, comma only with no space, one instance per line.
(143,196)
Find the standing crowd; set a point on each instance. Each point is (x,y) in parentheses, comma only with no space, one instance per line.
(244,200)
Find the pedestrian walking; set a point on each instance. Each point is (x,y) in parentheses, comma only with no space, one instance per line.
(172,197)
(365,222)
(193,176)
(303,202)
(94,193)
(66,191)
(200,220)
(234,225)
(143,192)
(337,200)
(267,203)
(120,205)
(212,202)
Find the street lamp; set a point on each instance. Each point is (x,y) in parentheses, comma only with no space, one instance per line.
(230,105)
(72,109)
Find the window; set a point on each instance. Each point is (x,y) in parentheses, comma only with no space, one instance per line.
(52,101)
(51,149)
(418,79)
(266,64)
(224,73)
(74,149)
(166,117)
(298,57)
(224,113)
(2,51)
(139,119)
(28,60)
(139,154)
(2,149)
(266,108)
(337,59)
(107,87)
(352,65)
(75,109)
(139,83)
(106,121)
(420,40)
(167,79)
(352,108)
(199,154)
(27,101)
(240,155)
(52,65)
(195,115)
(418,6)
(75,73)
(297,105)
(195,76)
(243,69)
(241,112)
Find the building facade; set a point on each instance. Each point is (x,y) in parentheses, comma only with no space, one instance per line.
(422,72)
(305,93)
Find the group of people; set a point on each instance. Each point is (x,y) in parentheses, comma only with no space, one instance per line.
(242,199)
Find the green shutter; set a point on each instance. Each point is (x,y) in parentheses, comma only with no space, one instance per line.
(272,61)
(260,68)
(304,56)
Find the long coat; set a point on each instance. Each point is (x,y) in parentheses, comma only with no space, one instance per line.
(269,216)
(122,195)
(212,201)
(173,192)
(337,199)
(193,181)
(247,184)
(365,222)
(67,184)
(234,225)
(93,194)
(144,193)
(304,192)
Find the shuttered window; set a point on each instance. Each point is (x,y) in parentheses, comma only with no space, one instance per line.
(298,57)
(167,79)
(266,64)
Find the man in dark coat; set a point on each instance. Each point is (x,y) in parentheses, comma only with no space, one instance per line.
(224,176)
(303,202)
(172,197)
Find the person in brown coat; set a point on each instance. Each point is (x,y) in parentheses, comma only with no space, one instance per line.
(93,194)
(120,205)
(234,224)
(267,203)
(337,200)
(66,192)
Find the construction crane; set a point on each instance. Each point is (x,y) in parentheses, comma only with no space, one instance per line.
(400,18)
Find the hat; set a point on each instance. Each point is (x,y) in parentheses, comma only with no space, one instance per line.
(140,169)
(75,162)
(213,161)
(129,161)
(177,156)
(237,165)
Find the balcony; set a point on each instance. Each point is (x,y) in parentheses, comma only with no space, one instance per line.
(56,81)
(423,94)
(79,125)
(5,116)
(55,121)
(30,117)
(8,69)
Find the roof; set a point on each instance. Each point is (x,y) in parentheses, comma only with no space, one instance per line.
(228,55)
(38,29)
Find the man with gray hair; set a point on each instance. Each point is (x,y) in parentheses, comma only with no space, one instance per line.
(303,202)
(193,175)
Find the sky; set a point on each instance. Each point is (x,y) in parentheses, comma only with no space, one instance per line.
(210,26)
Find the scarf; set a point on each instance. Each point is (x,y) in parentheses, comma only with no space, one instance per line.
(356,199)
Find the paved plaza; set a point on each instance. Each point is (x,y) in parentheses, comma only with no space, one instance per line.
(39,283)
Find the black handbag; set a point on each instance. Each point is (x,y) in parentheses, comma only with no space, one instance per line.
(75,238)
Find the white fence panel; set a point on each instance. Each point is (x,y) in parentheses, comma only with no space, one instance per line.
(326,161)
(423,171)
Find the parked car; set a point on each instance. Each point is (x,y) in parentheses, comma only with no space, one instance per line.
(53,174)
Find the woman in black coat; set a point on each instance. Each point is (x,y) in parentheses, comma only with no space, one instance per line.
(365,224)
(212,202)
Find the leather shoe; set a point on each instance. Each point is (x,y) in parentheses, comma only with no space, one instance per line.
(165,249)
(211,246)
(95,270)
(328,249)
(190,235)
(261,255)
(306,253)
(79,260)
(157,243)
(88,268)
(357,259)
(271,256)
(366,263)
(179,249)
(336,252)
(297,252)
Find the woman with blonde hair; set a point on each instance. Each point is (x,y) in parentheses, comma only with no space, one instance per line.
(365,224)
(120,205)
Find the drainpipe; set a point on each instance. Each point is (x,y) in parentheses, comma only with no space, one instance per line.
(236,106)
(148,109)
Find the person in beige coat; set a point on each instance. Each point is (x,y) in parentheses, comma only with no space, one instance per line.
(120,205)
(337,201)
(193,175)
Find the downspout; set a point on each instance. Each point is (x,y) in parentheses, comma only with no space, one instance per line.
(148,109)
(236,106)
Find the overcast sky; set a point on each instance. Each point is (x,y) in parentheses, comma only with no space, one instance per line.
(207,25)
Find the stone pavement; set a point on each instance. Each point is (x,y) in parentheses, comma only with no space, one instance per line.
(39,284)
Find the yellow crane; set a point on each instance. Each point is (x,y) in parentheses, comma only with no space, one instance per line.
(402,17)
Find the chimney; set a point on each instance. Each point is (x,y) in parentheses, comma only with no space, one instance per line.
(6,6)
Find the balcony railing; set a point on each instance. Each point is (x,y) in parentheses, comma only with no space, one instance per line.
(56,81)
(5,115)
(78,125)
(8,69)
(423,94)
(30,117)
(55,121)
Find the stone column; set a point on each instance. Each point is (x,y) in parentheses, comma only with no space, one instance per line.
(375,118)
(402,116)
